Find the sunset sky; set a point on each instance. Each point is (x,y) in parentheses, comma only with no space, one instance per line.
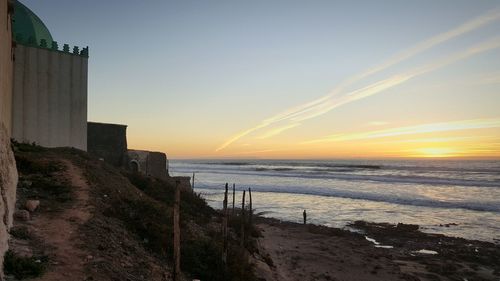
(291,79)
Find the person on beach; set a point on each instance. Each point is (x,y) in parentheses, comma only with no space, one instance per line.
(305,216)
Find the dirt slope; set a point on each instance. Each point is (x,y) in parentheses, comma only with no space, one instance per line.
(98,222)
(68,236)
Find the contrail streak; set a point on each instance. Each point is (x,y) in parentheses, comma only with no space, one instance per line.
(395,80)
(295,113)
(412,130)
(277,131)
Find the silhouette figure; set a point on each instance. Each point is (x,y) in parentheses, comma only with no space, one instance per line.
(305,216)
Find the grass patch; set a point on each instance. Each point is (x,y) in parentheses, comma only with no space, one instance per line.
(25,165)
(21,232)
(193,206)
(203,259)
(22,267)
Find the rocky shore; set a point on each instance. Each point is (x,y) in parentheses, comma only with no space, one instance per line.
(375,251)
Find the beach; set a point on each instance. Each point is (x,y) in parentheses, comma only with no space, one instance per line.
(376,252)
(366,219)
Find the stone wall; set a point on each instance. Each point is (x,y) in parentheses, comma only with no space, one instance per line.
(50,97)
(108,141)
(8,172)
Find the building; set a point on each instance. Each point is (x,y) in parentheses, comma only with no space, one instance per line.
(108,142)
(49,101)
(150,163)
(6,66)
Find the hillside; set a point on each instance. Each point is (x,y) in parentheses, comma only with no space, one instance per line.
(97,222)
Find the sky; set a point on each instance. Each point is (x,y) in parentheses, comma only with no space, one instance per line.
(291,79)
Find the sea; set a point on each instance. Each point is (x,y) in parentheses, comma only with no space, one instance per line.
(453,197)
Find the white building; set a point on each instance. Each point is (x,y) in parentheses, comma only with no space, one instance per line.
(49,101)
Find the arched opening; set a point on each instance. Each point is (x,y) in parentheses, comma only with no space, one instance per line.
(134,166)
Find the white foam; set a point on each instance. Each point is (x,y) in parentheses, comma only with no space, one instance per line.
(377,244)
(426,252)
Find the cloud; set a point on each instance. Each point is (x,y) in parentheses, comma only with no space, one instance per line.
(412,130)
(256,151)
(326,103)
(444,139)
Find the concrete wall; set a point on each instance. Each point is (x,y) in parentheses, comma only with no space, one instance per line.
(109,142)
(6,56)
(149,163)
(8,172)
(50,97)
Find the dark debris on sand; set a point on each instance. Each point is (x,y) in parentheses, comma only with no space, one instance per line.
(456,258)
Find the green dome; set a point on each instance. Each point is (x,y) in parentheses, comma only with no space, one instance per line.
(26,26)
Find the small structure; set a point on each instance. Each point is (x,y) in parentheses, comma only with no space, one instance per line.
(150,163)
(109,142)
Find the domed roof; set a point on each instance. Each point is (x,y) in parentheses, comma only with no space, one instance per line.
(27,26)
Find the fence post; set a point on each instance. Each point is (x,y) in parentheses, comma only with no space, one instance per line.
(224,228)
(233,198)
(242,243)
(250,206)
(177,234)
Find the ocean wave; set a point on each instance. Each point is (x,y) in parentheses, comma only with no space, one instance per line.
(375,197)
(389,179)
(449,168)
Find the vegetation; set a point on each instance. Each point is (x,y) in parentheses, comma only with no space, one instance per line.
(23,267)
(21,232)
(133,213)
(144,204)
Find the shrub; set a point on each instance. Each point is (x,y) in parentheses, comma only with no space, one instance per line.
(22,267)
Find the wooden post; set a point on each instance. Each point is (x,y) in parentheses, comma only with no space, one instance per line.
(192,185)
(233,198)
(224,228)
(250,206)
(177,233)
(243,220)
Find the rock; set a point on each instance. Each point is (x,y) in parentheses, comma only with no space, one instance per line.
(22,215)
(262,270)
(407,227)
(8,179)
(32,205)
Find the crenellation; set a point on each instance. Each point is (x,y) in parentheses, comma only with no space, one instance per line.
(52,45)
(85,52)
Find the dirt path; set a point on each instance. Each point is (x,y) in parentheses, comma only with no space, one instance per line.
(298,254)
(61,234)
